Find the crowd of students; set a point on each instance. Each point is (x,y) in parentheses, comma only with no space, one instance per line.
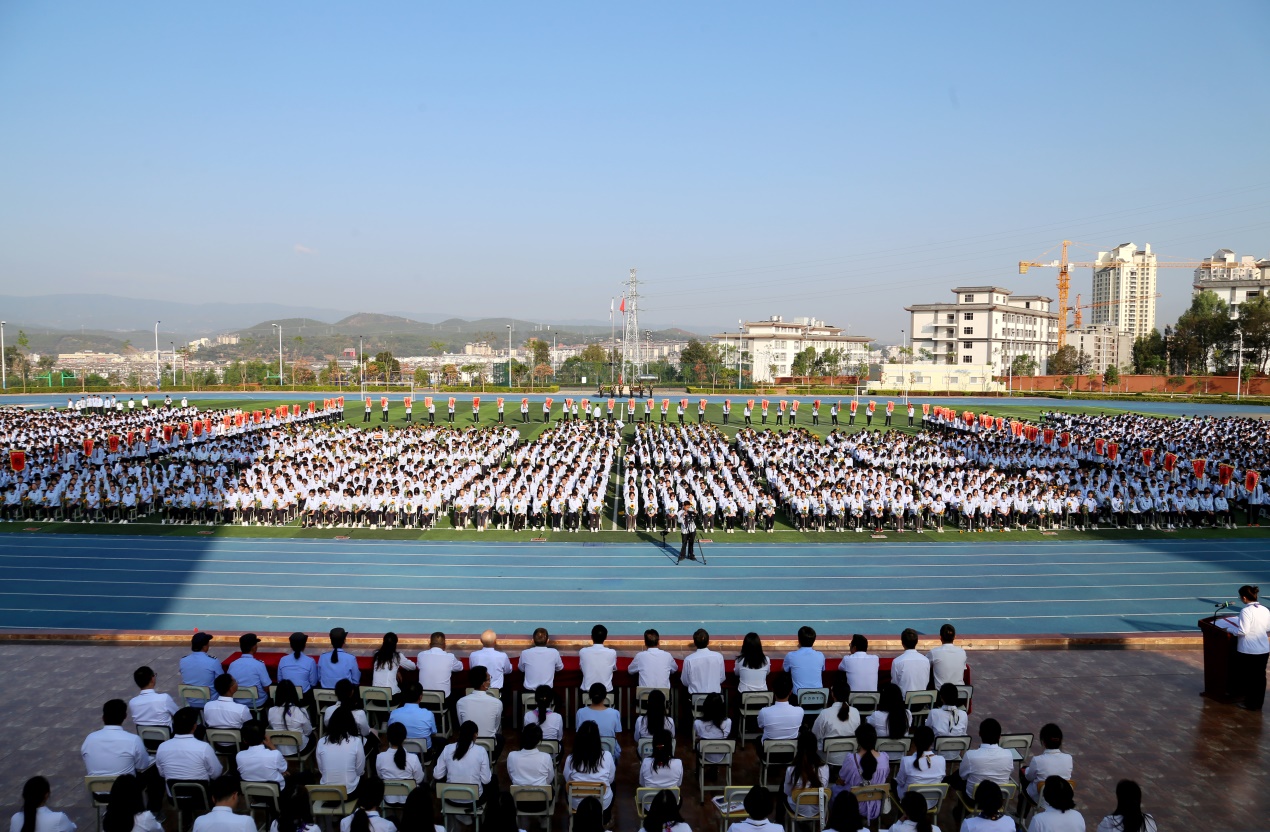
(358,751)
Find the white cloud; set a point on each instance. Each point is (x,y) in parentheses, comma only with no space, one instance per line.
(302,249)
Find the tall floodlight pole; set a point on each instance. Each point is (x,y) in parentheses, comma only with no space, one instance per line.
(172,344)
(631,348)
(509,355)
(158,373)
(1239,371)
(279,328)
(361,362)
(4,368)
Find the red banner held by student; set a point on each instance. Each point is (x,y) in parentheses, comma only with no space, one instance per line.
(1113,450)
(184,427)
(476,402)
(1225,473)
(1147,455)
(17,461)
(854,404)
(1048,436)
(925,409)
(1251,478)
(1198,465)
(1170,462)
(198,428)
(793,406)
(88,447)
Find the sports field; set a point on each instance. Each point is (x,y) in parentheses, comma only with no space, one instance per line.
(93,583)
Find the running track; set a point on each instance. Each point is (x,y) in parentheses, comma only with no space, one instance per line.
(88,583)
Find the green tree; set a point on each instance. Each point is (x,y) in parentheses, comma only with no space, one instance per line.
(1023,365)
(233,374)
(1254,321)
(421,376)
(1111,376)
(541,351)
(388,366)
(803,363)
(1063,362)
(1201,329)
(1148,353)
(437,346)
(1084,363)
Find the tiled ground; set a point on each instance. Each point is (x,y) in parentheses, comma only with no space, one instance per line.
(1137,714)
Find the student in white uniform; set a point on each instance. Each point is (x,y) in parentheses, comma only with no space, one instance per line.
(1053,761)
(663,814)
(752,666)
(713,725)
(387,664)
(1128,815)
(807,771)
(914,816)
(437,666)
(544,715)
(839,719)
(540,663)
(35,816)
(528,766)
(860,666)
(590,762)
(990,813)
(653,665)
(758,805)
(1253,647)
(923,766)
(463,761)
(661,770)
(395,763)
(1060,813)
(596,661)
(947,661)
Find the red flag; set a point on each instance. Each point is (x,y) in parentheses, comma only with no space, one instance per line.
(854,404)
(890,408)
(198,428)
(88,447)
(622,308)
(781,405)
(1170,462)
(630,405)
(132,437)
(568,404)
(1100,446)
(368,402)
(17,460)
(1251,478)
(1198,466)
(295,410)
(451,403)
(1000,423)
(1147,455)
(548,403)
(925,409)
(967,417)
(872,406)
(750,403)
(313,406)
(1048,436)
(185,429)
(146,433)
(476,402)
(427,401)
(524,400)
(168,430)
(1064,439)
(499,401)
(1113,450)
(1225,473)
(227,420)
(816,403)
(611,404)
(340,401)
(665,405)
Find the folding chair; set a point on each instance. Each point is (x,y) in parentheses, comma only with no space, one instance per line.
(416,747)
(951,748)
(494,692)
(697,703)
(644,798)
(753,701)
(263,797)
(577,790)
(935,794)
(723,750)
(458,800)
(1009,790)
(528,701)
(538,802)
(610,745)
(434,700)
(154,735)
(731,806)
(810,806)
(965,692)
(880,792)
(324,698)
(552,747)
(190,798)
(489,744)
(644,748)
(247,695)
(99,793)
(776,754)
(812,701)
(330,801)
(291,745)
(865,701)
(226,742)
(394,787)
(1019,746)
(194,696)
(919,703)
(641,699)
(836,749)
(377,701)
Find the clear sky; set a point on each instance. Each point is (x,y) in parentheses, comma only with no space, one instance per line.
(837,159)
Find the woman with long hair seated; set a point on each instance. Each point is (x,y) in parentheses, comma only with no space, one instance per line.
(1128,816)
(126,811)
(990,806)
(463,761)
(866,767)
(663,814)
(1060,813)
(591,762)
(660,770)
(892,718)
(914,816)
(341,757)
(35,815)
(806,771)
(844,815)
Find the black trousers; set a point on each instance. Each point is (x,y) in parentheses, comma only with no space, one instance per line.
(686,544)
(1251,674)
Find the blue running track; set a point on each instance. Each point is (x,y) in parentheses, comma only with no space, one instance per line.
(92,583)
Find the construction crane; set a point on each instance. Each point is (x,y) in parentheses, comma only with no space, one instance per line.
(1065,266)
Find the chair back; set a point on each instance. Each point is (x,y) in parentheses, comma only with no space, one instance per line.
(894,748)
(329,800)
(99,787)
(865,701)
(934,794)
(377,701)
(434,700)
(724,749)
(458,798)
(154,733)
(919,702)
(641,699)
(415,746)
(951,748)
(730,804)
(534,801)
(247,695)
(399,787)
(191,797)
(813,700)
(810,805)
(288,743)
(489,744)
(836,750)
(644,798)
(779,752)
(880,792)
(552,747)
(966,692)
(224,736)
(262,797)
(578,789)
(1020,745)
(753,701)
(610,745)
(193,693)
(324,698)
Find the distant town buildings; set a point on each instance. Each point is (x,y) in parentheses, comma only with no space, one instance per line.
(773,343)
(1125,289)
(1104,345)
(984,325)
(1232,278)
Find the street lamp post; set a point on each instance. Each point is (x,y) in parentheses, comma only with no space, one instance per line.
(158,373)
(4,364)
(172,344)
(509,355)
(361,362)
(1239,371)
(279,328)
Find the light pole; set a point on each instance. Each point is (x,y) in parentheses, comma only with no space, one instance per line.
(158,373)
(509,355)
(1239,371)
(172,344)
(4,364)
(361,362)
(279,328)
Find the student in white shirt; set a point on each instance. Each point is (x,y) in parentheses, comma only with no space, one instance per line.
(287,714)
(654,718)
(223,817)
(495,661)
(660,769)
(891,719)
(482,708)
(663,814)
(150,707)
(35,816)
(366,817)
(297,814)
(988,762)
(463,761)
(591,762)
(713,725)
(126,811)
(260,762)
(341,758)
(990,817)
(654,666)
(780,720)
(758,805)
(1050,762)
(1128,815)
(223,711)
(752,666)
(551,723)
(923,766)
(387,664)
(948,718)
(915,816)
(528,766)
(844,814)
(840,719)
(861,667)
(596,661)
(185,757)
(806,771)
(910,670)
(703,668)
(395,763)
(947,661)
(437,666)
(540,663)
(1060,813)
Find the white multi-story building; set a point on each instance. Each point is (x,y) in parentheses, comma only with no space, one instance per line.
(1232,278)
(1125,289)
(772,344)
(984,325)
(1105,346)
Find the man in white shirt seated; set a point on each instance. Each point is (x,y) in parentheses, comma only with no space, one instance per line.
(758,805)
(260,762)
(780,720)
(987,762)
(185,757)
(910,669)
(1050,762)
(437,666)
(149,707)
(529,766)
(223,711)
(111,751)
(597,662)
(492,659)
(483,709)
(224,817)
(654,665)
(860,666)
(540,663)
(947,661)
(703,668)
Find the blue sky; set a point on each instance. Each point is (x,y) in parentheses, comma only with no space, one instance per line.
(833,159)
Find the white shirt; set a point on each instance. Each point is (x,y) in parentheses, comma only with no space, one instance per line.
(1252,624)
(225,713)
(654,667)
(540,664)
(751,825)
(112,751)
(932,770)
(377,823)
(473,768)
(386,768)
(987,762)
(223,819)
(668,777)
(948,662)
(751,678)
(185,758)
(259,764)
(910,670)
(1052,820)
(1005,823)
(947,721)
(435,668)
(861,670)
(605,774)
(297,719)
(531,767)
(494,661)
(46,820)
(1111,823)
(360,719)
(151,708)
(1048,763)
(597,663)
(483,709)
(790,786)
(780,721)
(828,725)
(341,764)
(552,726)
(386,676)
(703,671)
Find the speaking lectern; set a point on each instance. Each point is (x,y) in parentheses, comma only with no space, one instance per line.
(1219,660)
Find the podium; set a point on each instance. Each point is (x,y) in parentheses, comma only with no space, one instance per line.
(1219,661)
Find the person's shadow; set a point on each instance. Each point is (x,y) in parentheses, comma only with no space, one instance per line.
(658,539)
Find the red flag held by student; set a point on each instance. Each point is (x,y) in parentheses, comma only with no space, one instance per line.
(1198,465)
(1147,455)
(1251,478)
(17,461)
(88,447)
(1225,473)
(1170,462)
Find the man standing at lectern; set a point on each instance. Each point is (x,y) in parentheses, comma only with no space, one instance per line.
(1253,648)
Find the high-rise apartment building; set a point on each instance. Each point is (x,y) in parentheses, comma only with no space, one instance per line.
(1232,278)
(1125,289)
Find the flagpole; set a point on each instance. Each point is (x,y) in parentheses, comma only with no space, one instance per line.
(612,339)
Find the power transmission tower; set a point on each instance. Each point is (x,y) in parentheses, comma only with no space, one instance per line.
(632,353)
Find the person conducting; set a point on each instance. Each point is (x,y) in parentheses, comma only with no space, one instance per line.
(688,533)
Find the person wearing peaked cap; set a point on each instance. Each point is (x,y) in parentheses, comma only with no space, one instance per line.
(198,667)
(249,671)
(337,664)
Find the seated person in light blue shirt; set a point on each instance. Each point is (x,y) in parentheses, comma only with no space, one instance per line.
(199,668)
(248,670)
(297,668)
(419,722)
(806,666)
(608,720)
(337,664)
